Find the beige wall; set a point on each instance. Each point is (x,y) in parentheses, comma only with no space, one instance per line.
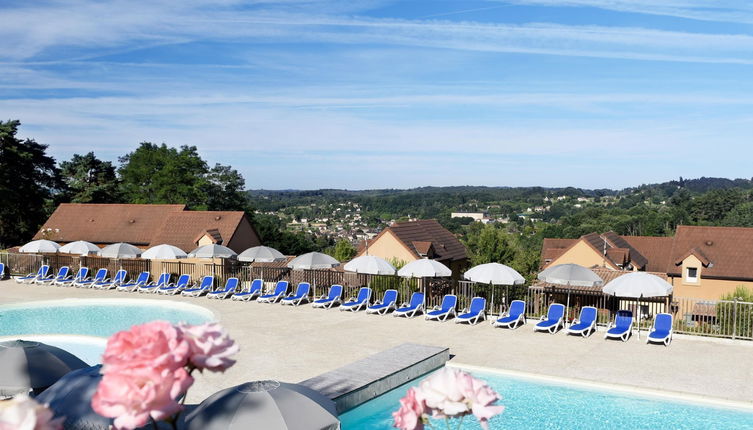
(583,254)
(205,240)
(704,289)
(389,247)
(245,237)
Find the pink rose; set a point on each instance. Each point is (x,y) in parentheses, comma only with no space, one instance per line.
(209,346)
(157,344)
(410,415)
(24,413)
(481,399)
(133,395)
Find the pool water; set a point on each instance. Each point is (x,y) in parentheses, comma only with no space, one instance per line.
(535,405)
(94,317)
(88,348)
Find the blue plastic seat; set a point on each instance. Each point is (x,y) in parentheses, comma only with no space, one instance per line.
(514,317)
(585,325)
(254,291)
(81,276)
(180,285)
(162,281)
(333,298)
(204,287)
(554,319)
(388,303)
(31,277)
(301,295)
(355,304)
(445,310)
(412,308)
(106,284)
(230,286)
(280,290)
(661,332)
(140,281)
(60,277)
(475,313)
(621,327)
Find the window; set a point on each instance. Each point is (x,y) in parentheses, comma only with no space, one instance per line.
(692,274)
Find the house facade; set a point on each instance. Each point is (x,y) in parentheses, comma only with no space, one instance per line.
(700,262)
(148,225)
(413,240)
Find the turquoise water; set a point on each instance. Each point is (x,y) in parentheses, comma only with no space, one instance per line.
(534,405)
(94,317)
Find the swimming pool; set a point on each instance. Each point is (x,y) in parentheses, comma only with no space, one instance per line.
(94,317)
(536,405)
(88,348)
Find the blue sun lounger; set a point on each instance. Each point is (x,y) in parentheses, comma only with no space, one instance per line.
(355,304)
(230,286)
(333,298)
(412,308)
(179,285)
(554,319)
(445,310)
(63,274)
(31,277)
(301,295)
(280,289)
(142,279)
(2,271)
(388,303)
(585,325)
(107,284)
(81,275)
(475,313)
(621,327)
(514,317)
(661,332)
(203,288)
(100,276)
(163,280)
(254,291)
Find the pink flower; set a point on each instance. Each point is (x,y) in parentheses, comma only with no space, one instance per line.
(132,395)
(156,344)
(410,415)
(481,399)
(24,413)
(209,346)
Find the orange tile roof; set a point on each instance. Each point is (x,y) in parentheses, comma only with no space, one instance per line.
(657,250)
(728,250)
(180,229)
(446,246)
(551,249)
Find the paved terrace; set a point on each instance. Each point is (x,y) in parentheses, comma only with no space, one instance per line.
(293,344)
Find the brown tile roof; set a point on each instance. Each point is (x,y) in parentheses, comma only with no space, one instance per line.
(551,249)
(213,234)
(604,273)
(423,248)
(180,229)
(620,256)
(446,246)
(657,250)
(636,258)
(728,250)
(108,223)
(141,225)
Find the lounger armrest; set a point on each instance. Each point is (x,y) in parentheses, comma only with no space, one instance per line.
(404,304)
(378,302)
(436,308)
(543,318)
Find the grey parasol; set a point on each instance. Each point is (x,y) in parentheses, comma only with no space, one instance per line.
(313,260)
(212,251)
(40,246)
(71,398)
(495,274)
(33,366)
(268,405)
(261,254)
(638,285)
(370,265)
(120,250)
(79,247)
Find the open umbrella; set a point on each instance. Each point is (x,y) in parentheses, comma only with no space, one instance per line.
(424,268)
(120,250)
(261,254)
(40,246)
(638,285)
(268,405)
(570,275)
(79,247)
(163,252)
(495,274)
(212,251)
(313,260)
(370,265)
(33,365)
(71,397)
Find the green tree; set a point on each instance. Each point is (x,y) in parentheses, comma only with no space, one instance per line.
(740,216)
(342,251)
(159,174)
(225,190)
(29,180)
(490,244)
(90,180)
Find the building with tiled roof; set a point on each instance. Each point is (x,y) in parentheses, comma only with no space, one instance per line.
(413,240)
(148,225)
(700,262)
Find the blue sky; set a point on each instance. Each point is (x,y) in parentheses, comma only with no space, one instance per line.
(393,94)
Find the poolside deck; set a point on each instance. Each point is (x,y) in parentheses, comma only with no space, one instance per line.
(294,344)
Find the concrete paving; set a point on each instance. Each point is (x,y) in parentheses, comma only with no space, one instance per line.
(296,343)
